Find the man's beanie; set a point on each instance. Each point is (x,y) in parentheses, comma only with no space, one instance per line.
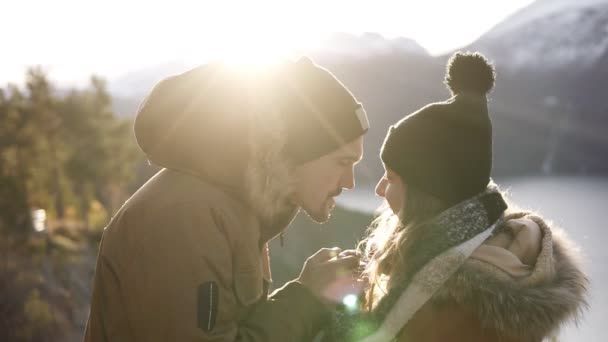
(207,107)
(445,148)
(320,113)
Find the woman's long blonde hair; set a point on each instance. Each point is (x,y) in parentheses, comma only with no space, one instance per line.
(385,248)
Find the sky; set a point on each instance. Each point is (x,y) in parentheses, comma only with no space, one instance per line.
(75,38)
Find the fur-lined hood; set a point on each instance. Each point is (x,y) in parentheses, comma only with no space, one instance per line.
(185,126)
(530,307)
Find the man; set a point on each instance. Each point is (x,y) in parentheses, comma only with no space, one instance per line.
(186,257)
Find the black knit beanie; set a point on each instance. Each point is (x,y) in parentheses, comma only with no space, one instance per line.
(445,148)
(320,112)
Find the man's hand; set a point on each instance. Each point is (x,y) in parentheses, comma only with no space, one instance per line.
(331,275)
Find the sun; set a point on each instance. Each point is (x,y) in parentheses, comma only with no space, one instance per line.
(260,46)
(253,35)
(253,50)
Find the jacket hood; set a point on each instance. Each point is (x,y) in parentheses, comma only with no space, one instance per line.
(514,249)
(192,123)
(535,302)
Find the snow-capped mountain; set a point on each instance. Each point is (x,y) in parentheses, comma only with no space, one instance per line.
(550,35)
(366,45)
(554,53)
(540,9)
(551,60)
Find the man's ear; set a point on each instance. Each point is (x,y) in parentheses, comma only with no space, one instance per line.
(294,179)
(292,195)
(294,174)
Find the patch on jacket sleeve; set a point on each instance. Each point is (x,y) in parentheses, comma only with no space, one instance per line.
(208,303)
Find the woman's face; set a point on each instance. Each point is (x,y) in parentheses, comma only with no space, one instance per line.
(392,188)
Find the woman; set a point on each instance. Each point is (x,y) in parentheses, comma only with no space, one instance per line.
(450,260)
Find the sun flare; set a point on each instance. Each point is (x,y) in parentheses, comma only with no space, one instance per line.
(259,47)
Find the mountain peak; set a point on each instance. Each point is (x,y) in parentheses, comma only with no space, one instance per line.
(537,10)
(550,35)
(367,44)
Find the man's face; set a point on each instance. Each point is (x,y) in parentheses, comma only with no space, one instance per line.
(319,181)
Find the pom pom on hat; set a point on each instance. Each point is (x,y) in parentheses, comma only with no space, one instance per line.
(469,72)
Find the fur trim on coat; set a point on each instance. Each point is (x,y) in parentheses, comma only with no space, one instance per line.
(531,307)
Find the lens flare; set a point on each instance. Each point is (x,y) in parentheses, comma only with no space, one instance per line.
(350,302)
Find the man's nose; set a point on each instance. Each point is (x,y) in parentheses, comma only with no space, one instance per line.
(348,180)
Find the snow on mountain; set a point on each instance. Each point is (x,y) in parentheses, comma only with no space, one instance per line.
(550,35)
(540,9)
(366,45)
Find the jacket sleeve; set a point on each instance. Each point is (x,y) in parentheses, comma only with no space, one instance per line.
(106,319)
(292,313)
(176,282)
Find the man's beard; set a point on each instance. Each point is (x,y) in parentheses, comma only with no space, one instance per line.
(327,208)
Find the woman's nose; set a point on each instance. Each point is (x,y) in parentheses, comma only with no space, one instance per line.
(381,187)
